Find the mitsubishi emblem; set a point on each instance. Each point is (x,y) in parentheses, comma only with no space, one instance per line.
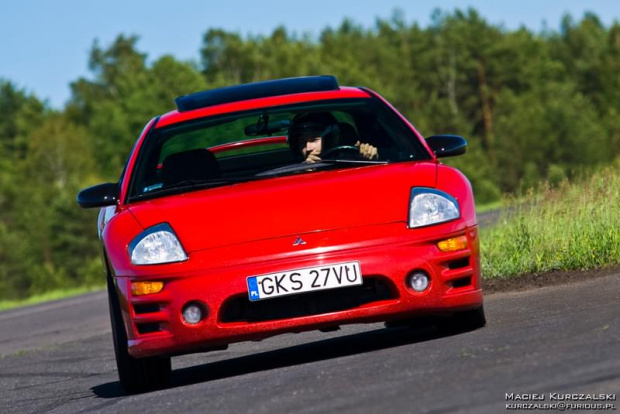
(299,241)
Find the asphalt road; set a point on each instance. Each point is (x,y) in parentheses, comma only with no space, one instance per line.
(58,358)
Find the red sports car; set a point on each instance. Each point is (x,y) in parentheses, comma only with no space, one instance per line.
(281,206)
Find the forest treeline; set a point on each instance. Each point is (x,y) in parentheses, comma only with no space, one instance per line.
(534,106)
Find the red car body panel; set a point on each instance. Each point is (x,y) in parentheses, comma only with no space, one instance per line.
(288,206)
(232,232)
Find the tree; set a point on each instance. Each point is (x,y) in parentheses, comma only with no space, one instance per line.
(20,113)
(124,95)
(57,241)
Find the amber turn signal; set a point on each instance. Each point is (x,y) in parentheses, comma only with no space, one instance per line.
(451,245)
(146,288)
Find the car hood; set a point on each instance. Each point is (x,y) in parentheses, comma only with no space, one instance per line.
(288,206)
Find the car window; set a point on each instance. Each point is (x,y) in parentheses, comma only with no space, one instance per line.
(258,144)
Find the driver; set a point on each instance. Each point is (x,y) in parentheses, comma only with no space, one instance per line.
(313,133)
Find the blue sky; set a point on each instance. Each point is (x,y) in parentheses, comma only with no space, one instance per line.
(44,44)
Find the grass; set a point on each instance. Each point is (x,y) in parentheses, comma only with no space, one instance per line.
(574,226)
(495,205)
(48,296)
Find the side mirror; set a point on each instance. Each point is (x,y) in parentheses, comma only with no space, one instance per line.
(447,145)
(101,195)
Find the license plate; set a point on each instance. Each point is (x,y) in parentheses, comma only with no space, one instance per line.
(309,279)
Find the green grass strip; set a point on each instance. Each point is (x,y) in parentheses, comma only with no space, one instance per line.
(575,226)
(48,296)
(482,208)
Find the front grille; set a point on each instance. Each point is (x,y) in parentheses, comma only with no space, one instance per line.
(144,328)
(459,264)
(462,282)
(241,309)
(146,308)
(148,317)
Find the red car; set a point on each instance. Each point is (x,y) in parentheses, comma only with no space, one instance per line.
(281,206)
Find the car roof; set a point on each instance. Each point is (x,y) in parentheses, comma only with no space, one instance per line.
(342,92)
(254,90)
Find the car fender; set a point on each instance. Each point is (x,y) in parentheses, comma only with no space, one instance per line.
(455,183)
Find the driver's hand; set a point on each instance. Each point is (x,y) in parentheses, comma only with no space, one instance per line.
(312,158)
(368,151)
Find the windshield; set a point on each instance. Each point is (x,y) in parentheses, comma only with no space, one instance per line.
(271,142)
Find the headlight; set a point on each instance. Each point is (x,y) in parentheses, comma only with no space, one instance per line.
(156,245)
(429,206)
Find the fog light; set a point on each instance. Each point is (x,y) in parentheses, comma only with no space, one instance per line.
(418,282)
(146,288)
(192,313)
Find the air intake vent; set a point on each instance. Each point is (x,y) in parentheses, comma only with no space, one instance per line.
(462,282)
(145,328)
(459,264)
(146,308)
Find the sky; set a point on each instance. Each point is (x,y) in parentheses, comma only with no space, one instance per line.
(44,44)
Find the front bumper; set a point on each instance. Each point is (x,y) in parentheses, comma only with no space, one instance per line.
(388,254)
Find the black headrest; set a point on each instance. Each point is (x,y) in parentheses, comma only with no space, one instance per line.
(197,164)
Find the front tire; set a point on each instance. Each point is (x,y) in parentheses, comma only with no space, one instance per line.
(135,374)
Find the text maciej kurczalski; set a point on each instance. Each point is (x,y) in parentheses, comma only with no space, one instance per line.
(556,396)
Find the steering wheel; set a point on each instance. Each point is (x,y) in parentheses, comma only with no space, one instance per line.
(340,148)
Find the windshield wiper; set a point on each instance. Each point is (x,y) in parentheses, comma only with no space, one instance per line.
(370,162)
(301,167)
(186,185)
